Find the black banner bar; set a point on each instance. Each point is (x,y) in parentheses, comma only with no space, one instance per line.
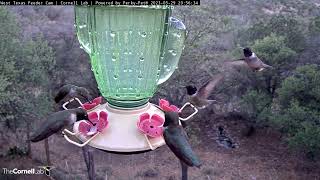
(100,3)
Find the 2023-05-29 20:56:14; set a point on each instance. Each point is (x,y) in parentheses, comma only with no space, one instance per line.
(175,3)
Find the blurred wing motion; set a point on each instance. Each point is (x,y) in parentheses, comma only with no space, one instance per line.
(236,63)
(205,91)
(254,64)
(57,122)
(177,140)
(72,91)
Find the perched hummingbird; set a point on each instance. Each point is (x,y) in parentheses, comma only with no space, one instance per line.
(72,91)
(251,59)
(199,98)
(57,122)
(177,140)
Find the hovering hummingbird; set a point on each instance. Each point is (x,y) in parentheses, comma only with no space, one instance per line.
(57,122)
(177,140)
(251,59)
(199,98)
(72,91)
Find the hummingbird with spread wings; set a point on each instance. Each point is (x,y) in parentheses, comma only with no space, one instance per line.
(199,97)
(72,91)
(251,60)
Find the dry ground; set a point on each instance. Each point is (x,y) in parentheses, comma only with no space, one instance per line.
(262,156)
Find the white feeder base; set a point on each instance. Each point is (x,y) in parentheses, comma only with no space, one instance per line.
(122,134)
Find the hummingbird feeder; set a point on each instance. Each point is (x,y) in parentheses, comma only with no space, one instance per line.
(132,49)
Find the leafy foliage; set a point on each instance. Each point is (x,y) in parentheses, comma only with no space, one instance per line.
(9,50)
(274,50)
(294,107)
(26,66)
(281,25)
(256,104)
(257,100)
(299,113)
(314,26)
(303,86)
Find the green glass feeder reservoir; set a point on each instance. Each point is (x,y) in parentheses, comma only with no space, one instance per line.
(132,49)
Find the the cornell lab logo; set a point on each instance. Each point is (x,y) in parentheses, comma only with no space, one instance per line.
(46,169)
(42,170)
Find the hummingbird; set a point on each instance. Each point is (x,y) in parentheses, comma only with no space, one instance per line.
(177,140)
(57,121)
(72,91)
(251,59)
(199,98)
(223,140)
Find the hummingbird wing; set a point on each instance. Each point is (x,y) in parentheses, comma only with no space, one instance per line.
(205,91)
(62,92)
(233,64)
(85,93)
(236,63)
(257,63)
(73,91)
(177,140)
(254,62)
(56,122)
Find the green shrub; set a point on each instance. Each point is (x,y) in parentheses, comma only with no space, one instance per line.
(274,51)
(257,101)
(25,72)
(299,112)
(307,139)
(256,104)
(282,25)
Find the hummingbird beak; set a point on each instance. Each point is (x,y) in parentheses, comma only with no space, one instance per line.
(91,122)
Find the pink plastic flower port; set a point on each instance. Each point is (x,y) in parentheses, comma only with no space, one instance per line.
(87,106)
(97,124)
(165,106)
(153,126)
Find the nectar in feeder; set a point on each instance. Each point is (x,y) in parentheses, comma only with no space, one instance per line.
(132,50)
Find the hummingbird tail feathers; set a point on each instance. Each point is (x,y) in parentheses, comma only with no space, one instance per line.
(39,136)
(267,66)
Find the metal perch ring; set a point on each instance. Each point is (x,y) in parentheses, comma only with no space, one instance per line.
(190,116)
(74,134)
(69,101)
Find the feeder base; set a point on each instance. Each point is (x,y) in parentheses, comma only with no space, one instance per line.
(122,134)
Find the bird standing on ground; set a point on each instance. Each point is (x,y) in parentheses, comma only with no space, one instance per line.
(72,91)
(199,98)
(57,121)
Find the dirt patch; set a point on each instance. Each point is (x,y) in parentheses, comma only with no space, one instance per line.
(261,156)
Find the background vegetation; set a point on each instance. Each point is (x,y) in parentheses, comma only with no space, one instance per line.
(39,52)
